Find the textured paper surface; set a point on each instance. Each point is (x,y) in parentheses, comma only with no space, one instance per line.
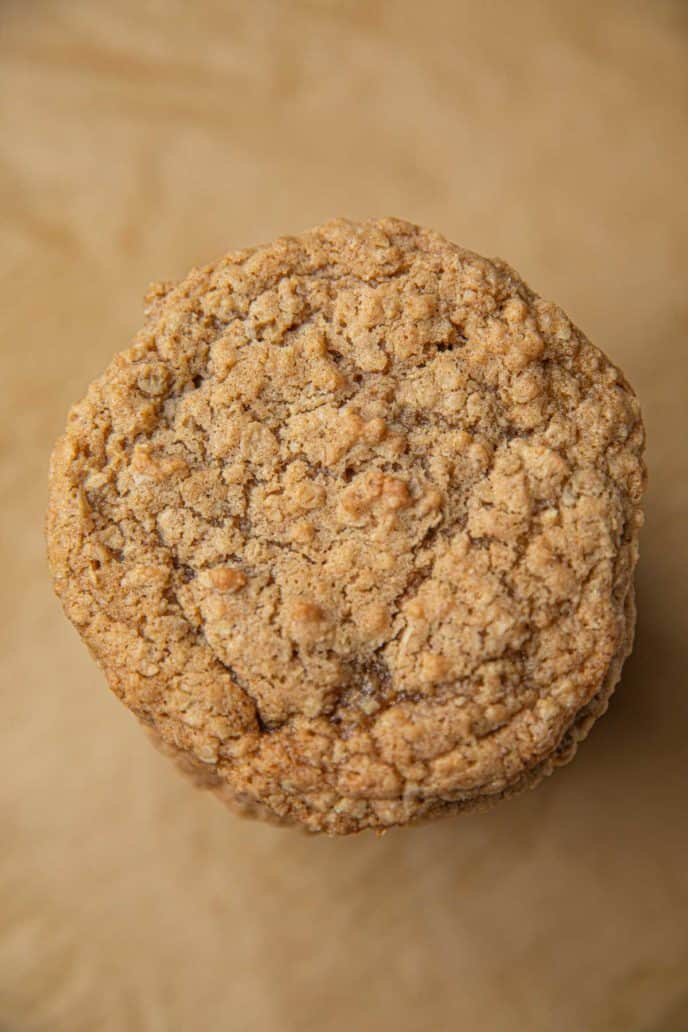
(139,138)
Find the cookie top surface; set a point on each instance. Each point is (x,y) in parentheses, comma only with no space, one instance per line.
(353,522)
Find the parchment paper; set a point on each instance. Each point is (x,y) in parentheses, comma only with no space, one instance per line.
(138,138)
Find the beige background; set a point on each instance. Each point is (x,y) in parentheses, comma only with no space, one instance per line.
(140,137)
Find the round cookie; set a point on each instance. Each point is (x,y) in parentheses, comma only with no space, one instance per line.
(352,525)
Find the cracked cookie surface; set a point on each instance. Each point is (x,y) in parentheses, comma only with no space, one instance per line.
(352,527)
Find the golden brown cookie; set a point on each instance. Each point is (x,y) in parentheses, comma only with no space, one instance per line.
(352,527)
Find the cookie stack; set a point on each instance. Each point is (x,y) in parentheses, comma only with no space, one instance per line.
(352,525)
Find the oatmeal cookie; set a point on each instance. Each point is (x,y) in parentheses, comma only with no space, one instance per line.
(351,526)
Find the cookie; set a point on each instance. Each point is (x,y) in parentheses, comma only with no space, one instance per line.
(352,525)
